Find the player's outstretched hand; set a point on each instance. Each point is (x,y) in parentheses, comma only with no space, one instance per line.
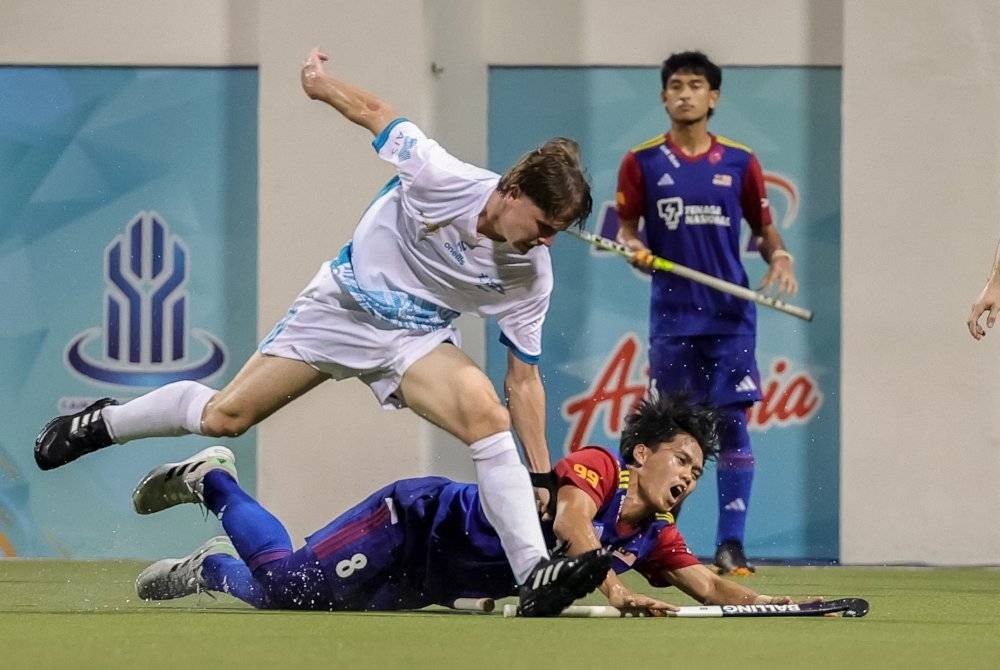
(312,72)
(781,276)
(623,599)
(988,301)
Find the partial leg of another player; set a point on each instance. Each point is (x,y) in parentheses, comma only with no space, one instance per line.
(448,389)
(264,385)
(735,479)
(255,563)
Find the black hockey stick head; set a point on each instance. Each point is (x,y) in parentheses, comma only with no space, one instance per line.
(854,607)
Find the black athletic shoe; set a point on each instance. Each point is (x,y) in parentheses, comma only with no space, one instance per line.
(67,438)
(730,559)
(556,582)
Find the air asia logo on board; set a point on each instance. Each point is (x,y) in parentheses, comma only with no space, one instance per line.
(145,340)
(789,397)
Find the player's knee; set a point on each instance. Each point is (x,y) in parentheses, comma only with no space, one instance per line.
(487,418)
(225,420)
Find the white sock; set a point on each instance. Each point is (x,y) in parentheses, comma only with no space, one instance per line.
(508,502)
(174,409)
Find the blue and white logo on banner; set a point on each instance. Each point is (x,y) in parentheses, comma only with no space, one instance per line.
(145,340)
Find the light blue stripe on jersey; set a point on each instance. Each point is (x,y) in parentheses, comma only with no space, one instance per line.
(278,328)
(383,136)
(520,355)
(395,307)
(389,185)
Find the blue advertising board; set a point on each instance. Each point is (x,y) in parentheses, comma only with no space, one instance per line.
(128,260)
(594,359)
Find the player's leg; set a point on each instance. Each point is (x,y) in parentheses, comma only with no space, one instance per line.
(261,560)
(264,385)
(281,371)
(269,575)
(735,473)
(449,390)
(734,388)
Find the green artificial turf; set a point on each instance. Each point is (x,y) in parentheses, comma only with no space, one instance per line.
(58,614)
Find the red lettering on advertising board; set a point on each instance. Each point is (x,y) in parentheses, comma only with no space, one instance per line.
(615,387)
(787,398)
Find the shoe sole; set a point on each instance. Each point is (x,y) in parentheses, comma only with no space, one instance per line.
(145,506)
(41,460)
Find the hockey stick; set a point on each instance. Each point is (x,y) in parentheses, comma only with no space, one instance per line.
(483,605)
(846,607)
(694,275)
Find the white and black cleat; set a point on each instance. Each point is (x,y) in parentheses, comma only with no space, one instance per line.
(556,583)
(67,438)
(171,578)
(179,483)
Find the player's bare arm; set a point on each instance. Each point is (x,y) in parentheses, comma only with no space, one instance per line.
(575,512)
(709,588)
(781,267)
(988,301)
(355,103)
(526,401)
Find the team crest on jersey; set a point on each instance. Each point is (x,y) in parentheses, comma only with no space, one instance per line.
(146,338)
(722,180)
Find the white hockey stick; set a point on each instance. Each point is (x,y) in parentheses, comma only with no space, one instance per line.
(694,275)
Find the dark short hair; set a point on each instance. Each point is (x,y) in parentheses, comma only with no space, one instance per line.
(657,419)
(553,177)
(692,62)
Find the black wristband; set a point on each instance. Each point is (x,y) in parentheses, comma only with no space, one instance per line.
(543,480)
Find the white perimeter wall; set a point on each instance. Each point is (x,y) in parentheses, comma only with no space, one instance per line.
(921,169)
(921,426)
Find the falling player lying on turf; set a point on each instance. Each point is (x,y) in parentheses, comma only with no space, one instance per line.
(426,541)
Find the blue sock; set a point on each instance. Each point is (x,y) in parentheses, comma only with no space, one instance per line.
(226,574)
(258,536)
(735,475)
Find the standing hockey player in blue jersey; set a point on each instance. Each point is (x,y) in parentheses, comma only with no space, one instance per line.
(693,189)
(426,541)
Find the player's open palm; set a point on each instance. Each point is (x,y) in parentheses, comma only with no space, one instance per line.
(988,301)
(312,72)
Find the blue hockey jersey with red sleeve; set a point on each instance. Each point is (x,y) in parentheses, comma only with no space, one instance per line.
(652,548)
(693,207)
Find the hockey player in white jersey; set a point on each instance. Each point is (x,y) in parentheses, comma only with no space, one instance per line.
(441,239)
